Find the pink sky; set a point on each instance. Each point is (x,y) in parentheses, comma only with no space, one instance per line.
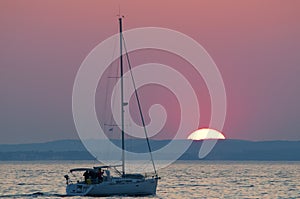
(255,45)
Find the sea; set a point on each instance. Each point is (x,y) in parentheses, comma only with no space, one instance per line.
(183,179)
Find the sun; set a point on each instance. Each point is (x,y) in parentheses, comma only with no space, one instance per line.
(206,134)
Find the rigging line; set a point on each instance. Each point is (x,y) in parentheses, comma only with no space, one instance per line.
(117,71)
(107,84)
(113,99)
(139,106)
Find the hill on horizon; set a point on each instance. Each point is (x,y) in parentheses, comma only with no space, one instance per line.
(224,150)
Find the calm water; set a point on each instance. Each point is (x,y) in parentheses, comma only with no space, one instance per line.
(181,180)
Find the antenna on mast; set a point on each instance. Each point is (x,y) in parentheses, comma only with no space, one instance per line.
(119,15)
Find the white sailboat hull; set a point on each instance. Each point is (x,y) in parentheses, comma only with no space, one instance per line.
(121,187)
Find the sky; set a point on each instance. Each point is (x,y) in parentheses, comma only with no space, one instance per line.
(255,44)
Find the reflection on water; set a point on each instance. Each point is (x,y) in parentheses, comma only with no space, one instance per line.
(194,179)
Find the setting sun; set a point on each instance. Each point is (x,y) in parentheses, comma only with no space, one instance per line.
(206,133)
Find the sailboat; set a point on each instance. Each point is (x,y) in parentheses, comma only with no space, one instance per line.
(98,180)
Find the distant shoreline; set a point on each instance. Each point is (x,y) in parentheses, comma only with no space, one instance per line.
(225,150)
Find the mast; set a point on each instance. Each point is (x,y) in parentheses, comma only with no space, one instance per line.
(122,98)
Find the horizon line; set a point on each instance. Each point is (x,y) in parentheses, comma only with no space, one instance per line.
(228,139)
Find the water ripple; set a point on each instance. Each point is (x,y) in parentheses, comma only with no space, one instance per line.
(195,179)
